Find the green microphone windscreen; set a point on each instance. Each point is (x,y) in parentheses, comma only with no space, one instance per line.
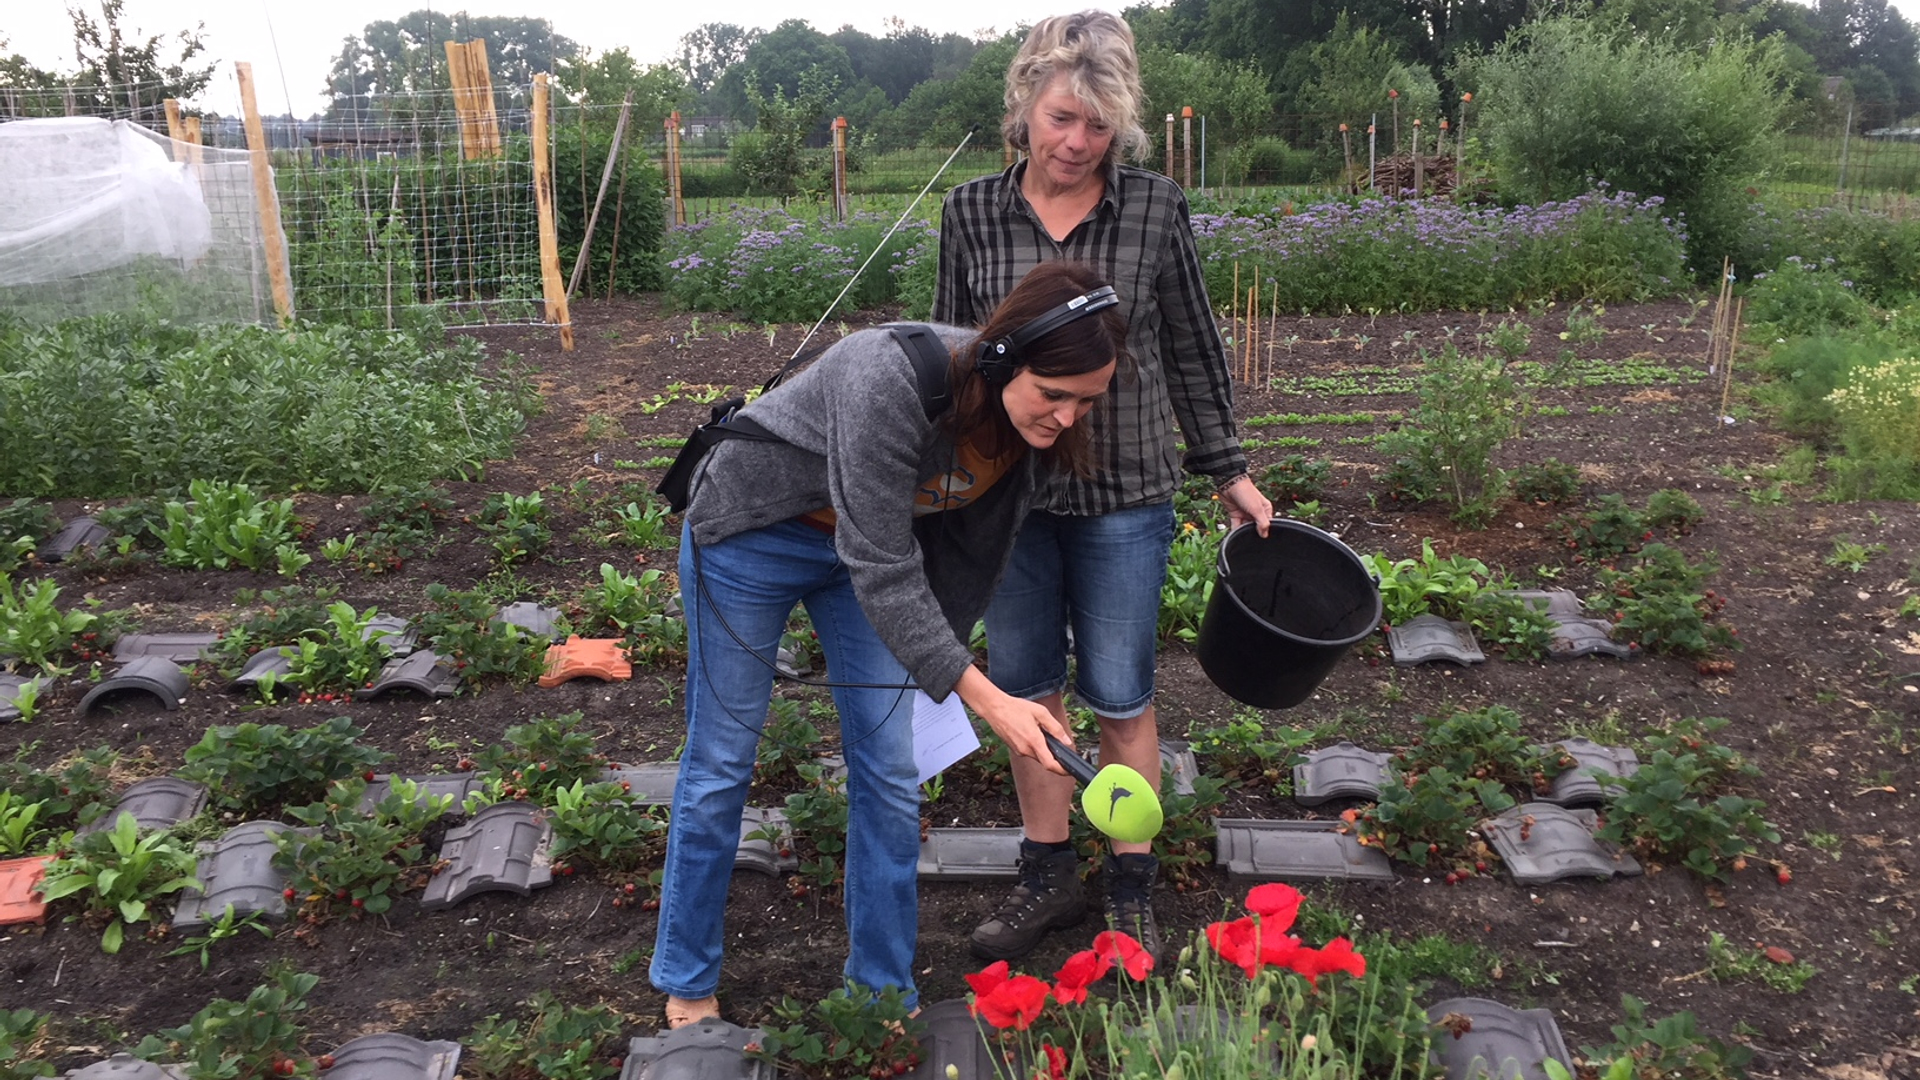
(1120,803)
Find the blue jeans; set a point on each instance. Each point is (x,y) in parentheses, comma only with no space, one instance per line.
(1104,574)
(754,579)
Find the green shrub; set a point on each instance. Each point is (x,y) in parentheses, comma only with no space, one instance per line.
(115,406)
(258,1037)
(226,524)
(1549,481)
(1691,125)
(1799,299)
(253,767)
(1878,410)
(1267,161)
(1806,370)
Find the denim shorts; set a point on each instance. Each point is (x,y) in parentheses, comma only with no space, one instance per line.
(1101,575)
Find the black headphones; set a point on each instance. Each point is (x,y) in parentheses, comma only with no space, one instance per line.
(999,359)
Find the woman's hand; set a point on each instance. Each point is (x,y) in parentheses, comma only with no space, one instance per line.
(1244,503)
(1022,725)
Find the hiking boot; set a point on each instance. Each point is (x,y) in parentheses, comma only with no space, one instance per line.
(1049,896)
(1130,880)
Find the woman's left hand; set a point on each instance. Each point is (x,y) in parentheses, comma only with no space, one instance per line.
(1244,503)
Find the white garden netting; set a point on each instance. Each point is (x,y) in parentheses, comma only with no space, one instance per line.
(103,216)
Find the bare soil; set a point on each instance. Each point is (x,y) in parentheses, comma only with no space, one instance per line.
(1822,697)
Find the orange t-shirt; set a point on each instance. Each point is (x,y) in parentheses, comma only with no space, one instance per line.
(972,474)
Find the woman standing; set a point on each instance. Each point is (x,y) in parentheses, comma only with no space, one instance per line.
(892,529)
(1093,556)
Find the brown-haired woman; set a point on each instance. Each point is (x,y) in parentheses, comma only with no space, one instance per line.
(892,528)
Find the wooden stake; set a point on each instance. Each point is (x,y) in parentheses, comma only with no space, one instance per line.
(1273,322)
(1733,342)
(550,284)
(190,132)
(606,176)
(1233,305)
(264,197)
(473,99)
(174,131)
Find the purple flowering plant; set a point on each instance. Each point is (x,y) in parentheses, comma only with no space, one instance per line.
(774,265)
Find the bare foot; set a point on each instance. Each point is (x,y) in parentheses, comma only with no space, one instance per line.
(681,1012)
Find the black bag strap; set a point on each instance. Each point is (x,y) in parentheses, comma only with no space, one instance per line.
(930,362)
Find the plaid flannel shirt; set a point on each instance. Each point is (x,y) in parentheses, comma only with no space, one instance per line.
(1140,239)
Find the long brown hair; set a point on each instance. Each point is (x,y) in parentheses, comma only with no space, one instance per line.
(1083,345)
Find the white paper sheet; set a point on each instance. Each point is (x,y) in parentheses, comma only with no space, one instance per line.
(942,734)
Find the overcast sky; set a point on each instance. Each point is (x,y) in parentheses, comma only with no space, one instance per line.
(309,33)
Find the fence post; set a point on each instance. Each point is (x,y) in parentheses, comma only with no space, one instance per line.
(1169,146)
(840,168)
(1203,152)
(1346,155)
(606,177)
(1373,151)
(1419,163)
(265,198)
(550,285)
(1460,142)
(1846,134)
(674,186)
(1186,143)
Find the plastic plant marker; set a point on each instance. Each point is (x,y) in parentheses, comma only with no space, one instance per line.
(577,657)
(18,901)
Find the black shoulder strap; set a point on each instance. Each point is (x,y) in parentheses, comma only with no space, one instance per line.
(930,362)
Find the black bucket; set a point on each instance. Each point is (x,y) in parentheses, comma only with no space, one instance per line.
(1284,609)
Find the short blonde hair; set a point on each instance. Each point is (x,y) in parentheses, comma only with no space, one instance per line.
(1094,49)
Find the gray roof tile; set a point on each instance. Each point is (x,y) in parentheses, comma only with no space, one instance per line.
(1295,851)
(504,848)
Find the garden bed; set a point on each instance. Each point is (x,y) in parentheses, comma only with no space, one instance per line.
(1822,699)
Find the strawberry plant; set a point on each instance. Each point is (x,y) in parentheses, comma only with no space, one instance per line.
(1667,810)
(1608,528)
(462,627)
(1510,624)
(636,609)
(1245,751)
(253,1039)
(787,742)
(341,656)
(75,793)
(1674,510)
(1294,479)
(1549,481)
(1430,815)
(252,768)
(852,1032)
(22,1032)
(1483,744)
(598,825)
(1672,1047)
(355,861)
(557,1042)
(122,875)
(1659,602)
(818,816)
(537,758)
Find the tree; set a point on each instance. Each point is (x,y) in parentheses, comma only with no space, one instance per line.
(118,69)
(1231,94)
(658,89)
(1345,79)
(708,50)
(398,58)
(1564,103)
(940,112)
(773,155)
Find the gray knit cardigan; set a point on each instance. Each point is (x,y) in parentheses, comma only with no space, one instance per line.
(857,438)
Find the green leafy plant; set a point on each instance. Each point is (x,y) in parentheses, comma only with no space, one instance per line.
(1483,744)
(817,814)
(1670,1047)
(1660,603)
(227,926)
(1549,481)
(19,833)
(461,627)
(515,525)
(635,607)
(1851,555)
(787,742)
(1189,583)
(122,875)
(254,767)
(357,861)
(72,794)
(1666,810)
(1469,406)
(21,1033)
(1675,511)
(598,825)
(342,655)
(556,1042)
(33,629)
(540,757)
(1879,425)
(1247,751)
(1517,628)
(1186,841)
(1428,816)
(404,521)
(241,1040)
(852,1032)
(225,524)
(1727,963)
(1295,478)
(1583,326)
(646,526)
(1607,528)
(1511,339)
(1429,584)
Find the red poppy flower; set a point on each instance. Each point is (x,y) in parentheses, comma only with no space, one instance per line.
(1336,955)
(989,978)
(1013,1003)
(1276,904)
(1238,943)
(1079,972)
(1123,951)
(1056,1062)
